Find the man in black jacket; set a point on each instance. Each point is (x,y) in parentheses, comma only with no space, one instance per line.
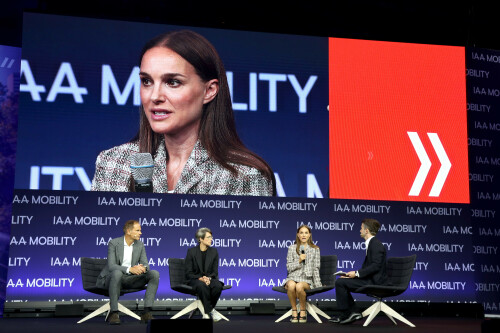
(372,272)
(202,272)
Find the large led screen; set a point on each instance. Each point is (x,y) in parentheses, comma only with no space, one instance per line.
(80,95)
(398,122)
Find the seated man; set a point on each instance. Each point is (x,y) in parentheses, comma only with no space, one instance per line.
(202,272)
(128,269)
(372,272)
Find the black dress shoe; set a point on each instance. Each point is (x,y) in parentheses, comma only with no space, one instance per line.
(114,319)
(334,320)
(145,317)
(352,318)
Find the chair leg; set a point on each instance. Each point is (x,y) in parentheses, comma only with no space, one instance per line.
(375,310)
(97,312)
(125,310)
(286,315)
(369,310)
(220,314)
(200,306)
(392,319)
(389,311)
(106,307)
(193,306)
(191,314)
(315,311)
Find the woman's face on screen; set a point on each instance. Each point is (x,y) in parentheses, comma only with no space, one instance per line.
(172,94)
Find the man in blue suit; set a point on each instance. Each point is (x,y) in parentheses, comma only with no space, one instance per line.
(372,271)
(128,268)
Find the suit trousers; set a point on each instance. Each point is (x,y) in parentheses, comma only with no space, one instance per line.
(117,280)
(208,295)
(343,288)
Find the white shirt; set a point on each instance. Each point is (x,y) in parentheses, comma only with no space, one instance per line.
(127,254)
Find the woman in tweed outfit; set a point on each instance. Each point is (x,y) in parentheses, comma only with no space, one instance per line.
(187,125)
(302,264)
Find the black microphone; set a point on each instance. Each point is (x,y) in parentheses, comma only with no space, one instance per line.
(302,251)
(142,166)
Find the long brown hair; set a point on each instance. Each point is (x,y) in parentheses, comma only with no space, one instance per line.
(309,241)
(217,133)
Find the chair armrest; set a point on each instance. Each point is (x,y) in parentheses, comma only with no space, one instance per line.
(280,289)
(183,288)
(380,291)
(320,289)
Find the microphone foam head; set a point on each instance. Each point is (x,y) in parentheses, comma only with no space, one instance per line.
(142,166)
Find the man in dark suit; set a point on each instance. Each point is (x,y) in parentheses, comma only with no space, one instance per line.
(202,272)
(372,272)
(128,269)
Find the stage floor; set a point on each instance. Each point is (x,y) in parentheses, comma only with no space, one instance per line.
(242,324)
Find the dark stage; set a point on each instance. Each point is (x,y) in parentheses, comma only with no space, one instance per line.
(243,324)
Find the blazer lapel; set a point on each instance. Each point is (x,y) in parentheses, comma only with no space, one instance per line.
(119,251)
(193,171)
(367,256)
(160,184)
(208,260)
(198,259)
(135,254)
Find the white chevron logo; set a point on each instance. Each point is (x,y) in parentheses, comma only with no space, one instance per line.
(426,164)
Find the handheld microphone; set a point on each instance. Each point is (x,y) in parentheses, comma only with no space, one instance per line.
(302,251)
(142,166)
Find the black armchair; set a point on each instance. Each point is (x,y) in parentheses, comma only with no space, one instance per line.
(399,271)
(327,269)
(91,268)
(176,272)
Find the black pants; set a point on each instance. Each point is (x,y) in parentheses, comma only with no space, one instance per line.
(208,295)
(343,288)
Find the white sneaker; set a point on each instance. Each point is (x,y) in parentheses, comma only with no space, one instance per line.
(215,315)
(205,316)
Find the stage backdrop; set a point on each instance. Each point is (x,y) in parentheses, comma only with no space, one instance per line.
(51,230)
(10,58)
(483,108)
(79,95)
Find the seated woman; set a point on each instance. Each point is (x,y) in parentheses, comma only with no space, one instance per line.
(202,272)
(302,264)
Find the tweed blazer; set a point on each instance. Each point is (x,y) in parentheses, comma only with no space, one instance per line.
(299,272)
(201,175)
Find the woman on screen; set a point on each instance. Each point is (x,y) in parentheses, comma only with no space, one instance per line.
(187,125)
(302,264)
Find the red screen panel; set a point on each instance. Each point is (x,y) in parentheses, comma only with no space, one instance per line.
(398,121)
